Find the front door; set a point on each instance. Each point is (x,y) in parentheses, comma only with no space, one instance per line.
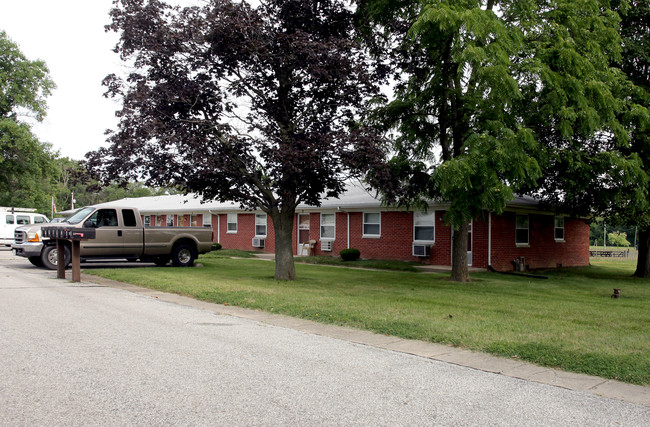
(303,232)
(469,244)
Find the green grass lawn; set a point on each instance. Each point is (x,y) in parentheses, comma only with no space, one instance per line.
(568,321)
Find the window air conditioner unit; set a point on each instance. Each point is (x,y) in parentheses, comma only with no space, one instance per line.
(421,250)
(258,243)
(326,246)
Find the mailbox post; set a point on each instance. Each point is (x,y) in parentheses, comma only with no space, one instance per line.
(74,236)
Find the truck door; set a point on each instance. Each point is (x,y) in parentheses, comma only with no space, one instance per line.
(108,235)
(132,234)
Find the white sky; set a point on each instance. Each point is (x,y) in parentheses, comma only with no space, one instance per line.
(69,36)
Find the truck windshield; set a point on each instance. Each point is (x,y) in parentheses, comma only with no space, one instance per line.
(80,215)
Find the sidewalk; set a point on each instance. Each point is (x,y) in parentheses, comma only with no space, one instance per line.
(509,367)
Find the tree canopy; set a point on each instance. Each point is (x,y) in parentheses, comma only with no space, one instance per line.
(25,162)
(256,104)
(488,91)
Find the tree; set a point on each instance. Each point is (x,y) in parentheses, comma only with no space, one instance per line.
(617,239)
(635,31)
(256,104)
(607,173)
(469,74)
(25,162)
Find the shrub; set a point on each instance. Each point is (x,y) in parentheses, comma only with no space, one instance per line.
(350,254)
(216,246)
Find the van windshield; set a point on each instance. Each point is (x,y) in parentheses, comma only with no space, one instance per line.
(80,215)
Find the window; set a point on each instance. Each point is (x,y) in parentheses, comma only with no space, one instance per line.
(170,220)
(39,219)
(207,220)
(260,224)
(128,216)
(559,228)
(424,226)
(372,224)
(10,219)
(328,226)
(232,223)
(194,220)
(104,218)
(22,219)
(147,221)
(521,230)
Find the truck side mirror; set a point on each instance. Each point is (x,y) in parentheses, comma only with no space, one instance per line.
(89,224)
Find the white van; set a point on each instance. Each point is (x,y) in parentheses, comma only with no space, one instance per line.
(10,218)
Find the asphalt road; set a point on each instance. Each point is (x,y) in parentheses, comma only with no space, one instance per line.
(84,354)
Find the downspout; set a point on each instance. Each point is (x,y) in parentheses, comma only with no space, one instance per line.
(489,239)
(218,227)
(348,213)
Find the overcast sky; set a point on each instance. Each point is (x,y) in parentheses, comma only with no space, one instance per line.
(69,36)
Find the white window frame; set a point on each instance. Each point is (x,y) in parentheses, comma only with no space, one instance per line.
(527,228)
(333,225)
(365,222)
(207,219)
(167,220)
(556,228)
(147,220)
(229,221)
(417,214)
(261,220)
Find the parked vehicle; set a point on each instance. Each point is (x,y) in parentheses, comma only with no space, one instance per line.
(119,234)
(11,218)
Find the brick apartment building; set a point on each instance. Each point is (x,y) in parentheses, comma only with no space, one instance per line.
(535,238)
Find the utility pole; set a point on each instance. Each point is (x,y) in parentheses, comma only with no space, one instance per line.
(605,236)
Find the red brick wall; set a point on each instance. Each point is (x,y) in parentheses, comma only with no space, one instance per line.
(543,251)
(396,239)
(242,239)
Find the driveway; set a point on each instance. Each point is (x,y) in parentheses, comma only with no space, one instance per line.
(91,354)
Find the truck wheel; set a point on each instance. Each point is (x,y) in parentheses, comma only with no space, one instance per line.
(160,261)
(36,260)
(183,256)
(49,257)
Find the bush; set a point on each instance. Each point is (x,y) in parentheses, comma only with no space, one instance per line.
(350,254)
(216,246)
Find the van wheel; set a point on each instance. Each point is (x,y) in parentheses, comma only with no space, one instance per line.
(183,256)
(36,260)
(49,257)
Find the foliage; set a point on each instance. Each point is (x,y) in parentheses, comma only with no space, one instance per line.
(25,163)
(477,86)
(257,104)
(556,322)
(350,254)
(617,239)
(607,172)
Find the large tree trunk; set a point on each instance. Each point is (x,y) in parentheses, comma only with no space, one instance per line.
(643,258)
(459,270)
(283,226)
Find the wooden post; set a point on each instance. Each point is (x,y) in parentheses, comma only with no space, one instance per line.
(60,262)
(76,261)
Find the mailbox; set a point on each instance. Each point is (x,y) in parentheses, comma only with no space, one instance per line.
(69,233)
